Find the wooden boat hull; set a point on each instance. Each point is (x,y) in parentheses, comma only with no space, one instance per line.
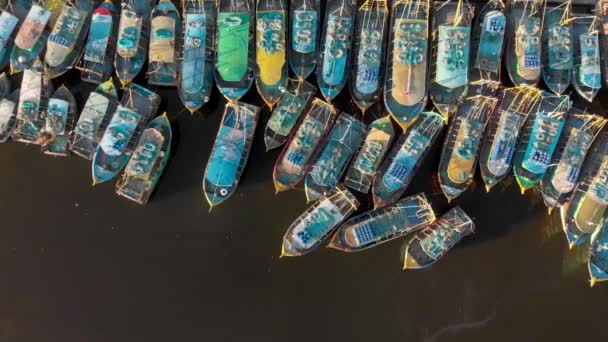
(116,145)
(93,120)
(304,19)
(343,141)
(539,139)
(433,242)
(302,148)
(405,158)
(385,224)
(364,167)
(230,152)
(147,162)
(59,122)
(317,223)
(287,114)
(460,152)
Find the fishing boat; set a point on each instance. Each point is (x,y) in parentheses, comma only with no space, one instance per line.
(59,122)
(53,6)
(198,53)
(587,207)
(97,63)
(336,41)
(234,46)
(163,56)
(503,131)
(286,115)
(486,46)
(450,52)
(601,11)
(539,139)
(598,254)
(557,53)
(147,162)
(8,29)
(364,167)
(562,174)
(271,57)
(8,115)
(136,107)
(20,8)
(33,100)
(459,154)
(317,223)
(94,119)
(30,39)
(5,85)
(434,241)
(406,79)
(132,43)
(65,43)
(304,21)
(230,152)
(303,146)
(524,33)
(369,53)
(343,141)
(405,158)
(384,224)
(587,73)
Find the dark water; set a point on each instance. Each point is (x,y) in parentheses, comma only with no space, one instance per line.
(80,264)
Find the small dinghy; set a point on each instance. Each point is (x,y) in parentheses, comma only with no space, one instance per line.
(318,222)
(385,224)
